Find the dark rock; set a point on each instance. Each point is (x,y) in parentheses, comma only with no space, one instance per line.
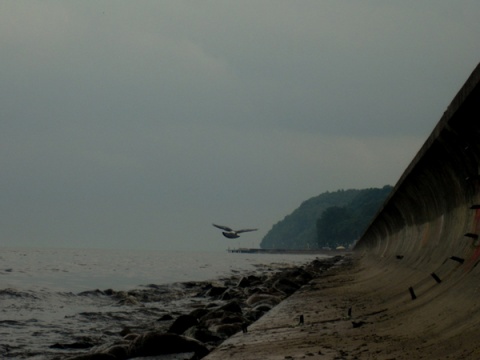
(263,308)
(125,331)
(154,343)
(232,293)
(286,286)
(75,345)
(165,317)
(198,313)
(202,334)
(244,282)
(129,301)
(211,305)
(96,292)
(228,329)
(125,298)
(227,295)
(120,352)
(254,315)
(303,276)
(131,336)
(232,319)
(92,357)
(213,314)
(216,291)
(232,306)
(255,280)
(211,323)
(256,290)
(182,323)
(267,299)
(230,309)
(191,284)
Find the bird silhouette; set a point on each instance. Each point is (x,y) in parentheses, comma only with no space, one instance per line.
(230,233)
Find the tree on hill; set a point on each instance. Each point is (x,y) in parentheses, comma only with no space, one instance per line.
(341,226)
(299,230)
(334,224)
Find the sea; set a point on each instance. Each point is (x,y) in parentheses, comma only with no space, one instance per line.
(51,298)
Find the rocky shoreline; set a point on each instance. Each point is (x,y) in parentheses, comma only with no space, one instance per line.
(211,312)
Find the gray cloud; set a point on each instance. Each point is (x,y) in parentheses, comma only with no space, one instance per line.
(137,124)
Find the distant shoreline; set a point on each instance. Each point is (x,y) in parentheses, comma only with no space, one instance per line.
(289,251)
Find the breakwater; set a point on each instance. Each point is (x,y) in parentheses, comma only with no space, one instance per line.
(287,251)
(424,242)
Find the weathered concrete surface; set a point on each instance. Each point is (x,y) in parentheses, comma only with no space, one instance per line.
(414,282)
(423,225)
(388,324)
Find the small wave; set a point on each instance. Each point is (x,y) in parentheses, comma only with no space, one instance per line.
(17,323)
(93,293)
(13,293)
(10,322)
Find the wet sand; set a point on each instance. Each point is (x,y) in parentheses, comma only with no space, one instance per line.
(359,311)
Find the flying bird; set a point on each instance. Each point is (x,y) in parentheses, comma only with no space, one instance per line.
(230,233)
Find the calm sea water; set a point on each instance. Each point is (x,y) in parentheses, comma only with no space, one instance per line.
(76,270)
(41,300)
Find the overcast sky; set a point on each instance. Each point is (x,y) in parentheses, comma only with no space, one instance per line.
(138,124)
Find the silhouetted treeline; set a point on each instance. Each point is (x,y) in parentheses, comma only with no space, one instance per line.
(328,220)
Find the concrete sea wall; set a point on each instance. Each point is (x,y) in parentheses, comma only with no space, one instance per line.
(426,236)
(411,290)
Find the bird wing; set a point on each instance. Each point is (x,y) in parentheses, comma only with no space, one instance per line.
(226,228)
(245,230)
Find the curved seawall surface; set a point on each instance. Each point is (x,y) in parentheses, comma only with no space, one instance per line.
(433,212)
(423,248)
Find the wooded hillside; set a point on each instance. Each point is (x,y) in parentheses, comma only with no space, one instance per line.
(329,220)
